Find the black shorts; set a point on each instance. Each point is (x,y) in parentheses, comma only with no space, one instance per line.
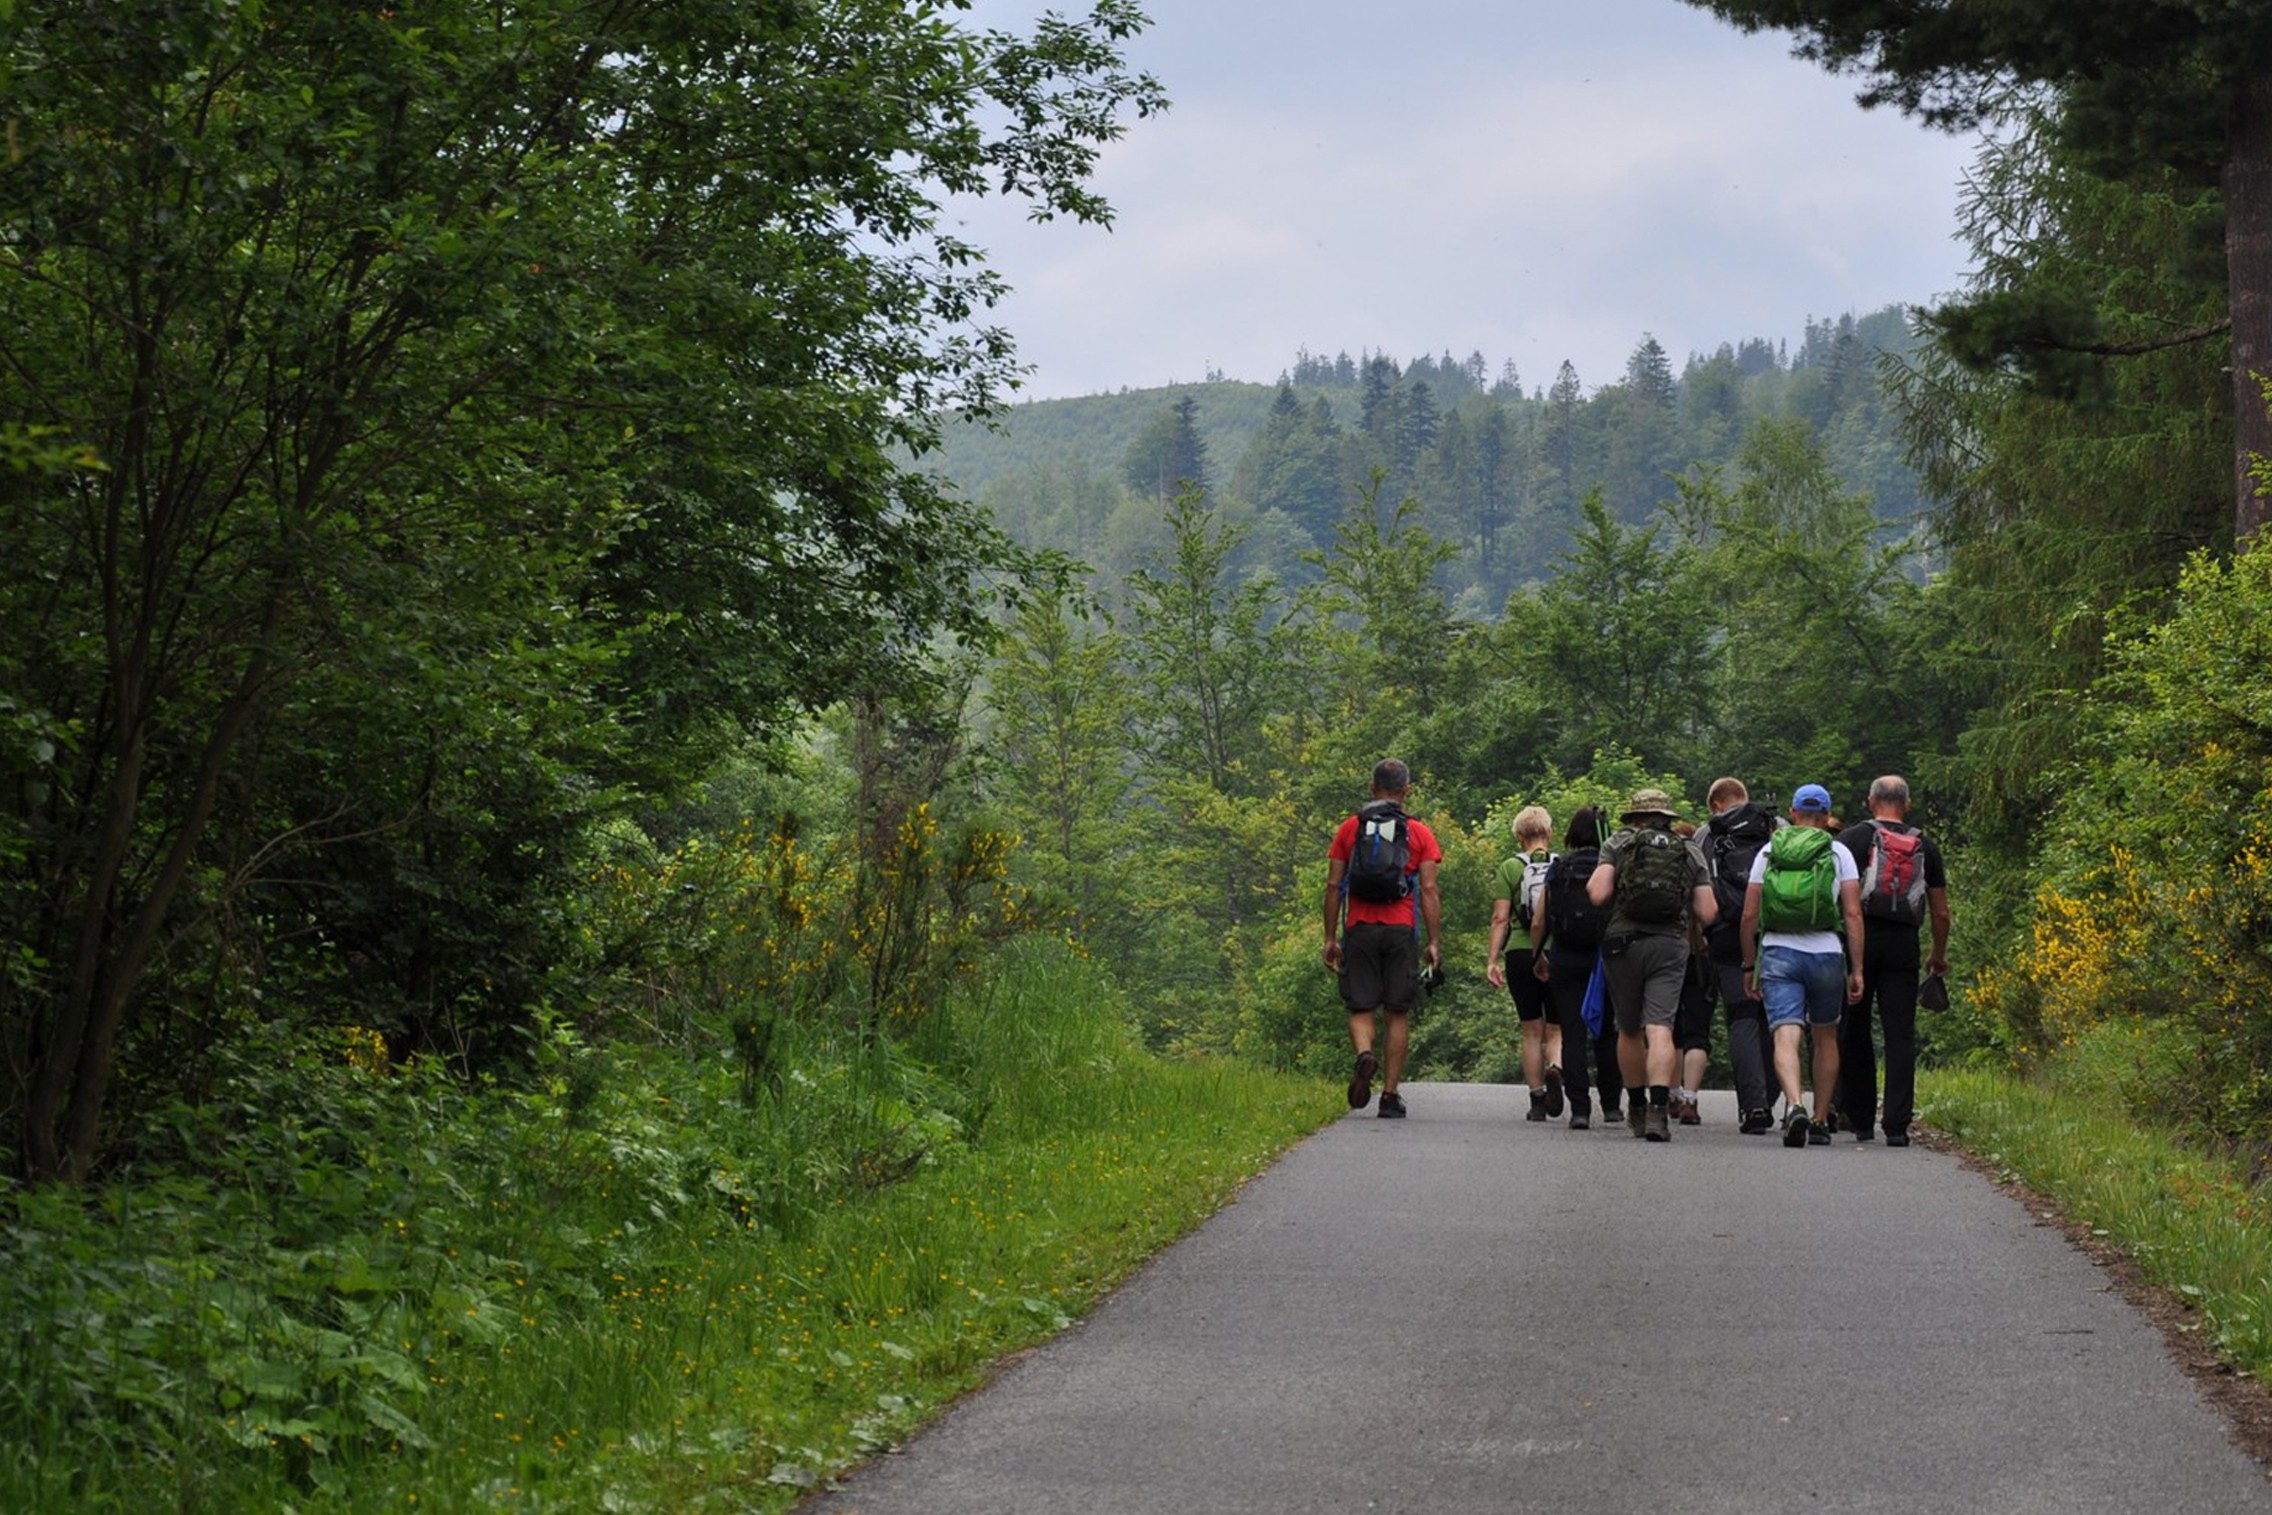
(1380,966)
(1529,994)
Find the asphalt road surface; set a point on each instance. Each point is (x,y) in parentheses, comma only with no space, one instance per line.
(1463,1311)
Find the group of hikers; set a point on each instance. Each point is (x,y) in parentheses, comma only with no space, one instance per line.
(1620,947)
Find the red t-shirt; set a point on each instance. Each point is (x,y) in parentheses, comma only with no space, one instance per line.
(1422,849)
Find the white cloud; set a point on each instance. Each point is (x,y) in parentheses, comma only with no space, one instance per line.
(1535,181)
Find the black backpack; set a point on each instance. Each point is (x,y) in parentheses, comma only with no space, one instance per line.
(1732,839)
(1573,920)
(1380,859)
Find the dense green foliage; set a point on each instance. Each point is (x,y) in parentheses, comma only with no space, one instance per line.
(452,426)
(629,1282)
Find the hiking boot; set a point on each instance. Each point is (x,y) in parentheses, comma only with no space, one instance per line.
(1581,1120)
(1757,1122)
(1554,1090)
(1794,1128)
(1636,1117)
(1392,1106)
(1610,1113)
(1537,1105)
(1897,1138)
(1685,1111)
(1656,1126)
(1361,1081)
(1818,1132)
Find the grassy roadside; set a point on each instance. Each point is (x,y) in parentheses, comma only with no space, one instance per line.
(2192,1224)
(583,1299)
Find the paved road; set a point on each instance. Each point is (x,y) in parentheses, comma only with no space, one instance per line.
(1465,1312)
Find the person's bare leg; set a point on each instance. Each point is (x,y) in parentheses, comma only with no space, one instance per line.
(1534,1054)
(1662,1059)
(1692,1065)
(1553,1042)
(1633,1063)
(1399,1039)
(1787,1065)
(1361,1031)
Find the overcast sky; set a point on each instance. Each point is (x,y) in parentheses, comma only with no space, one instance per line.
(1536,179)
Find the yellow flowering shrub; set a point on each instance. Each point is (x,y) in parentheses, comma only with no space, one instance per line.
(2155,897)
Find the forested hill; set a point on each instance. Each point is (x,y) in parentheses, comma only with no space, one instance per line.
(1499,464)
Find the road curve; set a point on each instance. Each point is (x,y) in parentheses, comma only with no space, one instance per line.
(1463,1312)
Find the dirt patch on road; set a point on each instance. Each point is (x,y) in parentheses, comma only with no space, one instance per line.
(2244,1401)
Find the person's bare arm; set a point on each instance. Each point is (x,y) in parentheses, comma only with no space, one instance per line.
(1601,888)
(1850,902)
(1502,916)
(1334,868)
(1747,931)
(1432,911)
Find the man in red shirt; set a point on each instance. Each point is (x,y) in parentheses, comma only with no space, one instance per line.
(1380,878)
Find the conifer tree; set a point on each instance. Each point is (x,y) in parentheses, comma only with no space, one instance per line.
(2161,85)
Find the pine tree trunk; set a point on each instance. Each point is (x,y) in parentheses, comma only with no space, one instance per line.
(2248,266)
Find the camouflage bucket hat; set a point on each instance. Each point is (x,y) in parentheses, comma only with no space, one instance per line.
(1650,802)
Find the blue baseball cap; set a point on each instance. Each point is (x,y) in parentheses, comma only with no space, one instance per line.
(1811,797)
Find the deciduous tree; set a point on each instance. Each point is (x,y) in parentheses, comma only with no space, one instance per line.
(552,362)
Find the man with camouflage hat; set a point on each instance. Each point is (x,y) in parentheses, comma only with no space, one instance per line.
(1653,884)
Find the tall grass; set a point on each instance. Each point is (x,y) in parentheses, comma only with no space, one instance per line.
(636,1284)
(2194,1223)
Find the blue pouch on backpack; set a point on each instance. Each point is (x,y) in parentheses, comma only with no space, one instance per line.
(1596,1004)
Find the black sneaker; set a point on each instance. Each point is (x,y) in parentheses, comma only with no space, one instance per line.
(1794,1128)
(1611,1114)
(1538,1106)
(1554,1091)
(1361,1081)
(1757,1122)
(1392,1106)
(1656,1125)
(1818,1132)
(1581,1120)
(1897,1138)
(1864,1134)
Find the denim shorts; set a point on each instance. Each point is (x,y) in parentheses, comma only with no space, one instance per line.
(1802,987)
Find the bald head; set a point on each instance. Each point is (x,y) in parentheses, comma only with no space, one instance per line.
(1889,797)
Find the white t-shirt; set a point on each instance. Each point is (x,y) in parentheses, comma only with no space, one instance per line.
(1809,941)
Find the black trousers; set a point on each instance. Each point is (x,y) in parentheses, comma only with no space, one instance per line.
(1567,989)
(1751,1050)
(1891,969)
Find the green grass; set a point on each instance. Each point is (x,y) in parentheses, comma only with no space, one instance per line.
(634,1295)
(2193,1223)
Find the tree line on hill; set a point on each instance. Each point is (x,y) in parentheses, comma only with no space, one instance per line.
(1500,473)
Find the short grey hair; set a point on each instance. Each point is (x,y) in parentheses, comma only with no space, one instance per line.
(1893,789)
(1391,776)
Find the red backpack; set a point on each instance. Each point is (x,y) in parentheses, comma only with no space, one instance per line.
(1893,884)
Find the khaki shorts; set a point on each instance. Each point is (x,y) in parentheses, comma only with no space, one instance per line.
(1644,980)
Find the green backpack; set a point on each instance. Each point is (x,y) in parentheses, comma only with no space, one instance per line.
(1654,878)
(1801,888)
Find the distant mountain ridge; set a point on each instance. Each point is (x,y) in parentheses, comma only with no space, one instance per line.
(1499,470)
